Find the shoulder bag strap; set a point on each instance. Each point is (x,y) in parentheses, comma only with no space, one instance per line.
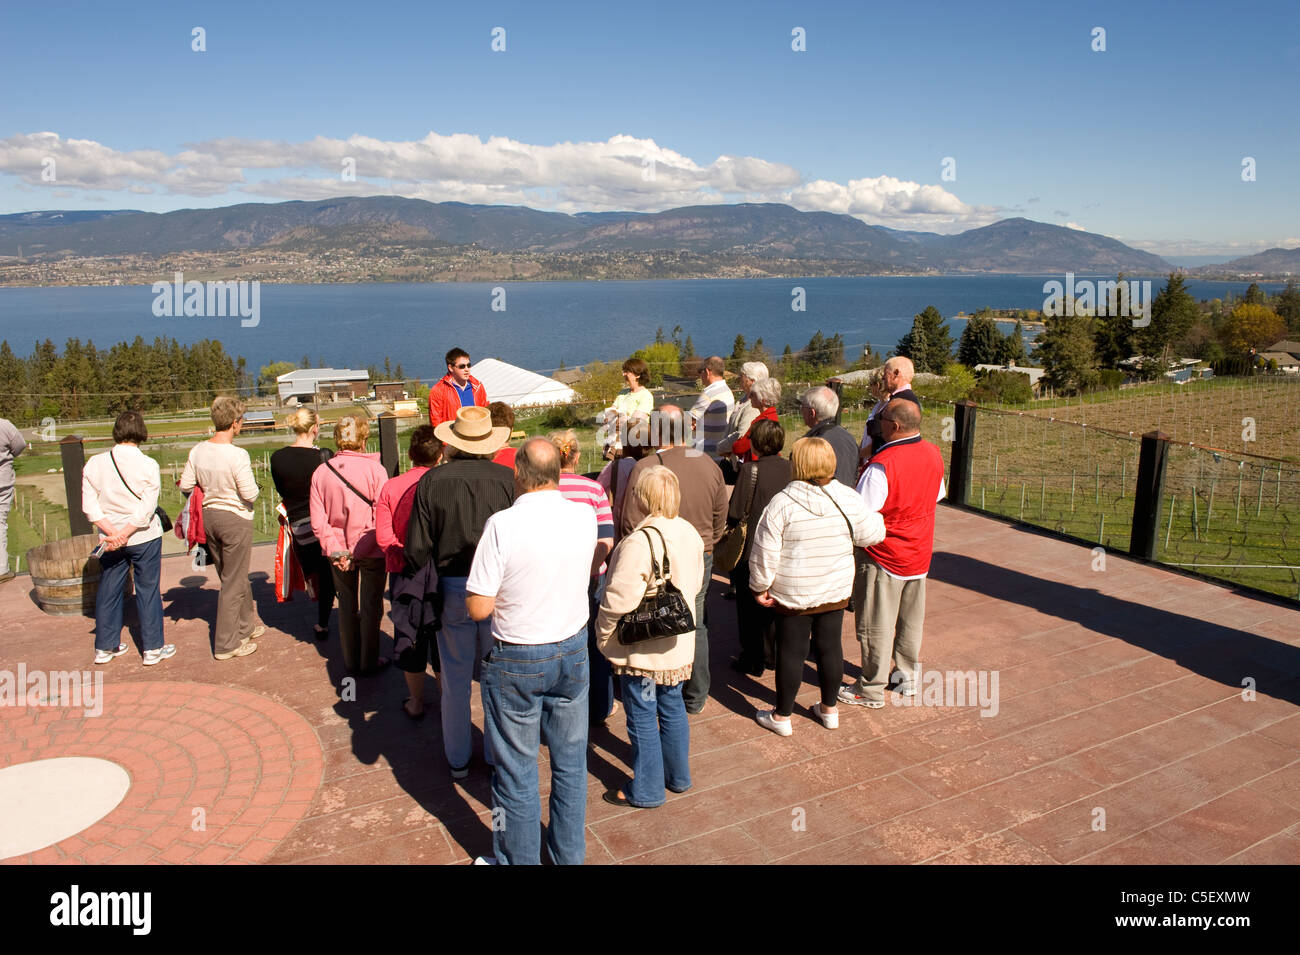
(667,568)
(753,489)
(847,523)
(349,484)
(122,479)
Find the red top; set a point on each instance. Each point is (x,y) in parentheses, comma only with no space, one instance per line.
(392,512)
(506,456)
(444,399)
(914,470)
(741,447)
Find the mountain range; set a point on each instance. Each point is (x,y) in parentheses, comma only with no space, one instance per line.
(1268,262)
(748,229)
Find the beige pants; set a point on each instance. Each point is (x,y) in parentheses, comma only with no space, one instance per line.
(230,540)
(889,615)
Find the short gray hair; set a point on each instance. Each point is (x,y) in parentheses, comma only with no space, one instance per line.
(754,370)
(822,401)
(767,390)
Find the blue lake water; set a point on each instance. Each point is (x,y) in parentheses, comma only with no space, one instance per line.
(543,324)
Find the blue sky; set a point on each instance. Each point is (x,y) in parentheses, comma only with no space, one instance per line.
(1143,142)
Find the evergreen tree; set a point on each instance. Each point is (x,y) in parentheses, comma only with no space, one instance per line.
(1173,313)
(1012,350)
(13,374)
(688,348)
(1288,306)
(981,343)
(913,345)
(1068,354)
(739,350)
(932,349)
(1255,295)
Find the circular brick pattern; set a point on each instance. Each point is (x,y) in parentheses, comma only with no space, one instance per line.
(249,764)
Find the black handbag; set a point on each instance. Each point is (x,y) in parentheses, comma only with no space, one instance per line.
(665,614)
(161,514)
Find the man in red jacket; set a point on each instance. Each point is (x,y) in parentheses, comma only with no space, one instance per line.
(904,482)
(458,389)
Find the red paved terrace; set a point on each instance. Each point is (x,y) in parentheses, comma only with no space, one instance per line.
(1120,692)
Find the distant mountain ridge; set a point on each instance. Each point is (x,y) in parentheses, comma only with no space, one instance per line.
(756,229)
(1268,262)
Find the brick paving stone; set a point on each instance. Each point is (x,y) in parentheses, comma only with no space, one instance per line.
(1118,690)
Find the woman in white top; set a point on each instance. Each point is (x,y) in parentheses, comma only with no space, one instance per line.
(119,495)
(633,400)
(802,567)
(224,473)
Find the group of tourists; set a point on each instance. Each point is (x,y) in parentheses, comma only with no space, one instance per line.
(566,593)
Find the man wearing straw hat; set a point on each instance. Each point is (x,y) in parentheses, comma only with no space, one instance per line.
(452,504)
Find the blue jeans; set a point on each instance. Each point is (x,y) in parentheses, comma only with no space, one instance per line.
(696,689)
(536,694)
(602,674)
(661,740)
(461,641)
(146,560)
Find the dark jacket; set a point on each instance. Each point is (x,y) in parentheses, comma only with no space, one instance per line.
(845,447)
(773,475)
(873,426)
(452,503)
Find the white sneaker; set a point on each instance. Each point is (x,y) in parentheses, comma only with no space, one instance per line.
(829,720)
(779,727)
(157,656)
(103,656)
(486,860)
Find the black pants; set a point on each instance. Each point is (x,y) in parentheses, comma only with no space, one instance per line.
(792,636)
(753,621)
(313,562)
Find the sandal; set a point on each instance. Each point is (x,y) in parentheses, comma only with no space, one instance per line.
(615,797)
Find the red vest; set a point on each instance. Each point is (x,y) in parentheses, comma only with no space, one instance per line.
(914,470)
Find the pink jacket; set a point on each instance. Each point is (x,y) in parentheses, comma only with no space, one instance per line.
(340,519)
(393,513)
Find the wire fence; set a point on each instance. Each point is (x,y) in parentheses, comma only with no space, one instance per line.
(1232,517)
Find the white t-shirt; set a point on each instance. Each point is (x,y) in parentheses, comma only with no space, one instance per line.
(535,559)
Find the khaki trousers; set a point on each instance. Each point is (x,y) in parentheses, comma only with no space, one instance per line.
(230,541)
(889,615)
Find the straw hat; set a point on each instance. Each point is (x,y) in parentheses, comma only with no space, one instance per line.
(472,432)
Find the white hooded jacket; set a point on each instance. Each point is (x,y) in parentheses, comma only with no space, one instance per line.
(802,552)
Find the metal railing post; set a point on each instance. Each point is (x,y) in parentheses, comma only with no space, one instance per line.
(963,453)
(389,454)
(74,461)
(1150,487)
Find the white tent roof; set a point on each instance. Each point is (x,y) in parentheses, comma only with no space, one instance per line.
(519,387)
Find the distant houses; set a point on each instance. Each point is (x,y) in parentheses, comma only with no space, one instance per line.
(1285,353)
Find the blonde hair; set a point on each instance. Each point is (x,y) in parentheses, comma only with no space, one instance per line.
(226,410)
(351,433)
(659,492)
(812,460)
(301,421)
(566,442)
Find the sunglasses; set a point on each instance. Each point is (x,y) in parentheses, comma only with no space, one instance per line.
(461,367)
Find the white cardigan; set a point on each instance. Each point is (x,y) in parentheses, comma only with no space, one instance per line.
(802,553)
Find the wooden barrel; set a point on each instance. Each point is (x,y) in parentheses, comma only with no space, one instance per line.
(66,577)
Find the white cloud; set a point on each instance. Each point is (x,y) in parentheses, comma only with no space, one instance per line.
(1075,226)
(623,172)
